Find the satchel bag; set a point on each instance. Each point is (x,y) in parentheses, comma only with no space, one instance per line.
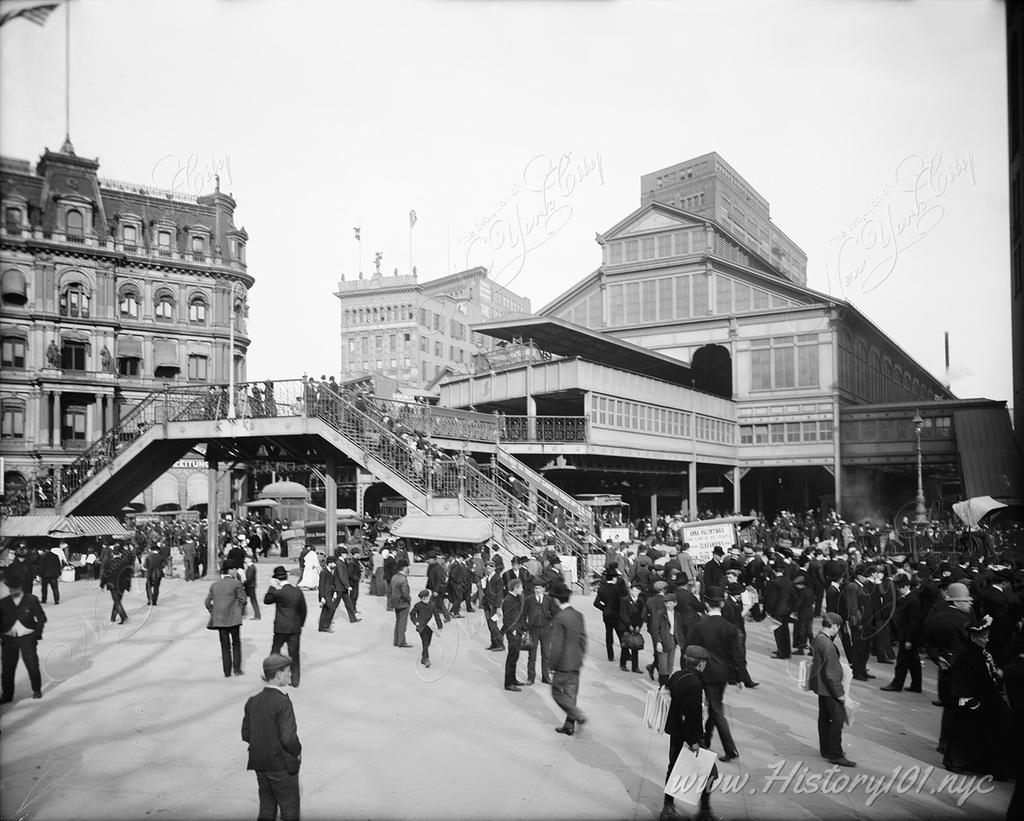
(656,707)
(527,641)
(633,641)
(690,775)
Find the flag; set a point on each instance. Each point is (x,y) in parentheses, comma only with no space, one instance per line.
(412,218)
(356,230)
(35,14)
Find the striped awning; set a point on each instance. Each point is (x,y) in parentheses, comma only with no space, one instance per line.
(60,527)
(443,528)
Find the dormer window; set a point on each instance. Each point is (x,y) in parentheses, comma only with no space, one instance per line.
(198,246)
(12,220)
(130,237)
(75,223)
(163,243)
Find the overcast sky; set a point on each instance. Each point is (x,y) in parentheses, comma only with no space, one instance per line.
(322,116)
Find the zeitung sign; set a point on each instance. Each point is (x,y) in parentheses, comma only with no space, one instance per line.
(703,537)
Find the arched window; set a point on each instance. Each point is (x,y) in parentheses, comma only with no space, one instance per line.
(164,308)
(197,311)
(129,304)
(74,300)
(75,223)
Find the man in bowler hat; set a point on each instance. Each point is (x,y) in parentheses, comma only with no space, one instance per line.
(289,618)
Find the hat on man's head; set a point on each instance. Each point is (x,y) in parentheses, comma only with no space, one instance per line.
(539,582)
(958,591)
(718,551)
(559,591)
(273,663)
(714,595)
(735,589)
(799,580)
(695,652)
(669,598)
(833,619)
(660,586)
(280,572)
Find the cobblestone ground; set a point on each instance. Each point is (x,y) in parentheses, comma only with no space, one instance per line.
(138,721)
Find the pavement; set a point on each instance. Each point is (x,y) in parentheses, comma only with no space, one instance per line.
(138,722)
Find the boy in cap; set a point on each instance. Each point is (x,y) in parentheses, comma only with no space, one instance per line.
(422,612)
(826,679)
(275,752)
(684,724)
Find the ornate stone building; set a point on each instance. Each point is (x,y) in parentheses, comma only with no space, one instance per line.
(110,290)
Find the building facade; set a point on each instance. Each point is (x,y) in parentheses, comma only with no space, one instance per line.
(110,290)
(412,331)
(1015,111)
(785,363)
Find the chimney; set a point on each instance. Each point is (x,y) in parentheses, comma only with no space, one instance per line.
(947,382)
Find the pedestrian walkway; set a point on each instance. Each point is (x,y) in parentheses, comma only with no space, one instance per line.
(138,721)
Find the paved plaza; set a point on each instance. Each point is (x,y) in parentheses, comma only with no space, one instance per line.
(138,722)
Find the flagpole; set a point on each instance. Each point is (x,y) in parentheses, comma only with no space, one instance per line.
(449,246)
(67,71)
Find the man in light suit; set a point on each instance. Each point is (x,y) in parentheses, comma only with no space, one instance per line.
(275,752)
(568,646)
(400,600)
(225,602)
(289,618)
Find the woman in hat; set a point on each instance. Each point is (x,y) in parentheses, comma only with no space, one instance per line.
(311,568)
(976,740)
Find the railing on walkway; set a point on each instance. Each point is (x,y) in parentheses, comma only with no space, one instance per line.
(544,429)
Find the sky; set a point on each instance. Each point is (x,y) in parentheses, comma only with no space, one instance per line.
(875,130)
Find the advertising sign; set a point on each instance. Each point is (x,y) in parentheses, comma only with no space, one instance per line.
(704,538)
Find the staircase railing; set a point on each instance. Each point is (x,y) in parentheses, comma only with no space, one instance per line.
(580,514)
(571,518)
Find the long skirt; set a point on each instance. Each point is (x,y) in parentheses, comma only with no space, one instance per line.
(377,587)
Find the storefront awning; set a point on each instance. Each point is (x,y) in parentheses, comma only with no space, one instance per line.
(165,353)
(60,527)
(443,528)
(129,347)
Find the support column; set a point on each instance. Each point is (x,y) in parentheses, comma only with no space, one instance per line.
(736,499)
(331,504)
(691,475)
(212,521)
(654,509)
(55,420)
(531,406)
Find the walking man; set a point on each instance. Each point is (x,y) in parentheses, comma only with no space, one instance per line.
(188,558)
(289,618)
(777,593)
(154,569)
(116,576)
(225,602)
(250,587)
(422,612)
(275,752)
(50,566)
(568,647)
(400,599)
(909,627)
(724,649)
(21,628)
(491,594)
(826,679)
(327,593)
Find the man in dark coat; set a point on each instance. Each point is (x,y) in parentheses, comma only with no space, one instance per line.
(116,576)
(568,647)
(400,600)
(541,609)
(855,608)
(513,625)
(998,601)
(826,679)
(437,583)
(458,582)
(684,722)
(883,606)
(491,594)
(631,620)
(250,587)
(343,585)
(944,638)
(803,615)
(21,628)
(908,625)
(153,567)
(328,594)
(275,752)
(722,642)
(24,566)
(50,566)
(777,593)
(289,618)
(713,572)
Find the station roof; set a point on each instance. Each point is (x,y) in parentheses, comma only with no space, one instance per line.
(563,338)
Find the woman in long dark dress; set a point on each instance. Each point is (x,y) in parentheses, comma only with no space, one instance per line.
(980,716)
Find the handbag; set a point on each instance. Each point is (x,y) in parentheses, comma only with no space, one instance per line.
(656,707)
(690,775)
(527,641)
(633,641)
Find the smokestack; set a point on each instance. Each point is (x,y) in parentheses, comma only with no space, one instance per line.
(947,361)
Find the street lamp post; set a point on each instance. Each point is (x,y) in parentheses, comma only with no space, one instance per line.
(230,358)
(920,511)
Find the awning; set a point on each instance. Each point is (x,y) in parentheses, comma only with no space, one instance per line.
(165,354)
(262,503)
(129,347)
(61,527)
(989,459)
(75,336)
(974,510)
(13,285)
(443,528)
(14,330)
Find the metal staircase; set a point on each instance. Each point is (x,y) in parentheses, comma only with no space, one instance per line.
(543,516)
